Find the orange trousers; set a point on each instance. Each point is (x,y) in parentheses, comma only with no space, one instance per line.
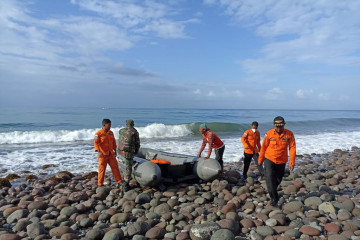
(103,161)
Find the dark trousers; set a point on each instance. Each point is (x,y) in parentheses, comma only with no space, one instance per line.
(219,156)
(273,176)
(247,161)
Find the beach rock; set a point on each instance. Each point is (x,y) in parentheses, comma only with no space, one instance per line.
(223,234)
(138,228)
(231,225)
(35,229)
(9,236)
(78,196)
(142,198)
(59,231)
(183,236)
(292,233)
(313,202)
(4,183)
(281,229)
(242,190)
(95,234)
(114,234)
(271,222)
(155,233)
(293,206)
(265,231)
(68,211)
(337,237)
(86,222)
(327,207)
(102,192)
(343,215)
(37,205)
(247,223)
(332,227)
(291,189)
(139,237)
(16,215)
(162,208)
(308,230)
(218,186)
(203,231)
(130,195)
(119,218)
(230,207)
(69,236)
(21,225)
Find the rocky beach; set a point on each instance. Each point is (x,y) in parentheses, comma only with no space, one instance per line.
(320,200)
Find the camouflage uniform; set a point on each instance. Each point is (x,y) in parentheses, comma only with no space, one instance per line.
(128,146)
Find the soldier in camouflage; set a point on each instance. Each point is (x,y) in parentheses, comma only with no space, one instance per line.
(128,147)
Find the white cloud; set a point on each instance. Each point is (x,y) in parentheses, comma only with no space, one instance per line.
(344,98)
(210,94)
(324,96)
(273,94)
(197,91)
(303,93)
(302,30)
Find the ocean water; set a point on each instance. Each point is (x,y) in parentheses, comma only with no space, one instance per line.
(30,138)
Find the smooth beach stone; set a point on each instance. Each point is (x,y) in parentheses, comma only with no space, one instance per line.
(271,222)
(222,234)
(293,206)
(142,198)
(162,208)
(16,215)
(265,231)
(313,202)
(59,231)
(203,231)
(138,228)
(155,233)
(9,236)
(95,234)
(119,218)
(309,230)
(35,229)
(293,233)
(114,234)
(327,207)
(68,211)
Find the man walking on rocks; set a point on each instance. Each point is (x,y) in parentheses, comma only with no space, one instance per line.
(128,146)
(274,155)
(105,146)
(251,142)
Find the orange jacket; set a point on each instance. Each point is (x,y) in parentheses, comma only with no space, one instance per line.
(212,139)
(275,147)
(251,141)
(104,142)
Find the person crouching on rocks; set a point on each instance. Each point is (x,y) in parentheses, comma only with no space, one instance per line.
(213,141)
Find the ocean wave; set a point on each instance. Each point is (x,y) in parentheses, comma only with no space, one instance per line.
(155,130)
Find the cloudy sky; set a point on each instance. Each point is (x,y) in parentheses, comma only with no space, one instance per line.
(292,54)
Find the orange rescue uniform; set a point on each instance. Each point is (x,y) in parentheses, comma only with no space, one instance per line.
(251,141)
(275,147)
(104,142)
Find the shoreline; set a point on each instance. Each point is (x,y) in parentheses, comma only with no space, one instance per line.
(320,200)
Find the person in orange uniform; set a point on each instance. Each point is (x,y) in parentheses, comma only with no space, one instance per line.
(105,146)
(251,142)
(274,155)
(214,142)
